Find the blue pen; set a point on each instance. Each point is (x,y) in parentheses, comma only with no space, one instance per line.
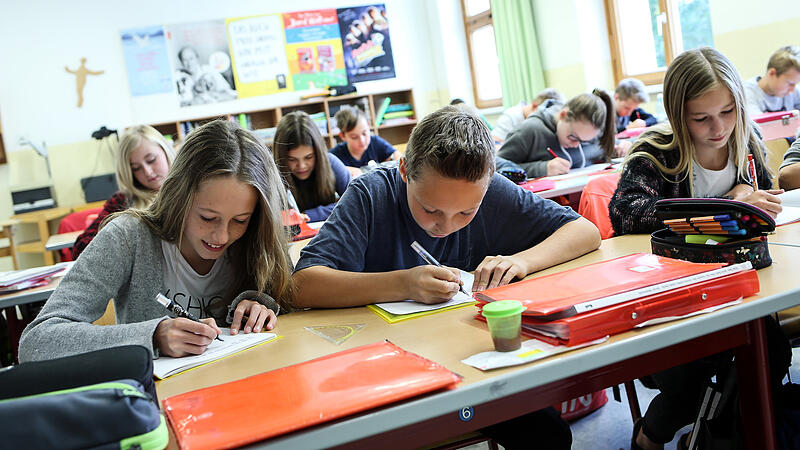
(432,261)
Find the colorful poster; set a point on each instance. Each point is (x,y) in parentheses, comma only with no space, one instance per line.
(146,59)
(259,57)
(202,64)
(365,37)
(314,49)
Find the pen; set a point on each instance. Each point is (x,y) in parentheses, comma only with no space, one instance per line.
(552,152)
(432,261)
(638,117)
(178,310)
(751,167)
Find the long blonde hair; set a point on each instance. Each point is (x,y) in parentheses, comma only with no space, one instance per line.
(138,195)
(691,75)
(260,258)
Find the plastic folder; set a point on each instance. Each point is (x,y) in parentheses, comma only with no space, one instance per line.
(539,185)
(593,286)
(298,396)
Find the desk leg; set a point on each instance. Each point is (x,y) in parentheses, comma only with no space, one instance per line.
(44,234)
(755,396)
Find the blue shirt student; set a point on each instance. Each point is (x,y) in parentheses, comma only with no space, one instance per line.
(378,150)
(372,228)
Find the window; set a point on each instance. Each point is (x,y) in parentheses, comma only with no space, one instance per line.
(483,61)
(646,35)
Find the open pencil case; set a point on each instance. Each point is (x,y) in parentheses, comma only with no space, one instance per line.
(713,230)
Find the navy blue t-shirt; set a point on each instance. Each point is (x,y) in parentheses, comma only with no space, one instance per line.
(371,229)
(378,150)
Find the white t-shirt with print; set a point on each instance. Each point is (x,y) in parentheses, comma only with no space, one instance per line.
(713,183)
(192,291)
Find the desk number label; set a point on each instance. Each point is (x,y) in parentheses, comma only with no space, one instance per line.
(466,414)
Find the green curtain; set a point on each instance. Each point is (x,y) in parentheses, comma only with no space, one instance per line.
(521,71)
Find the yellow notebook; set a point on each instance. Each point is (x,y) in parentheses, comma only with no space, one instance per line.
(394,318)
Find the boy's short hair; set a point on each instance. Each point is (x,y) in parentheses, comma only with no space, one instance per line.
(549,94)
(785,58)
(348,116)
(453,141)
(632,88)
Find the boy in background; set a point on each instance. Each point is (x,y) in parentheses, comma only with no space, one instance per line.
(629,94)
(513,117)
(777,89)
(358,146)
(445,195)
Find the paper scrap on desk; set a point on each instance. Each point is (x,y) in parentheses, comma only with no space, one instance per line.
(531,350)
(166,366)
(695,313)
(411,307)
(336,333)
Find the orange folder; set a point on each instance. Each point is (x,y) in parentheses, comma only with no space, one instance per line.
(283,400)
(292,218)
(573,291)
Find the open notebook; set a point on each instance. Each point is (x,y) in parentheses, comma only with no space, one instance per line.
(407,309)
(791,207)
(166,366)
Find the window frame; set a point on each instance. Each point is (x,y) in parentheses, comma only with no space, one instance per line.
(670,34)
(472,23)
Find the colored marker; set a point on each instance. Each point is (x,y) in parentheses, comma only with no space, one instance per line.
(552,152)
(751,167)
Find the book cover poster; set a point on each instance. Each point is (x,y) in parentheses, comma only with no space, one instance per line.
(365,40)
(259,57)
(314,49)
(201,62)
(146,60)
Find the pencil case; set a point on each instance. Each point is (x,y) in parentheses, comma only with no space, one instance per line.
(713,230)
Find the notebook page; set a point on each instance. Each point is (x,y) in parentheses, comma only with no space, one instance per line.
(410,306)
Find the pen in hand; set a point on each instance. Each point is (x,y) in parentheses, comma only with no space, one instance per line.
(751,168)
(432,261)
(178,310)
(552,152)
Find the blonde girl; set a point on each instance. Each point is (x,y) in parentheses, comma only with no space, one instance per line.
(212,241)
(143,161)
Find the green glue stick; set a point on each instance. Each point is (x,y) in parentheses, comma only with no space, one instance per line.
(706,239)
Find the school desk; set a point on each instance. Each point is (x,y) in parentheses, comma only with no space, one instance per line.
(61,241)
(29,295)
(498,395)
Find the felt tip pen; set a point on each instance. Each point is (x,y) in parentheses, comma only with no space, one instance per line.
(178,310)
(432,261)
(552,152)
(751,167)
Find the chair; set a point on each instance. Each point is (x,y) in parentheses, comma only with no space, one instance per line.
(594,202)
(8,249)
(76,221)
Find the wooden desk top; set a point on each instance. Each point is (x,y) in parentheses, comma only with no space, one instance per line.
(63,240)
(42,214)
(29,295)
(451,336)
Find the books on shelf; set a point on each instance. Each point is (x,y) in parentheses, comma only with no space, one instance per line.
(382,111)
(396,114)
(397,121)
(399,107)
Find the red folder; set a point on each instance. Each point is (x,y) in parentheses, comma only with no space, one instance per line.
(539,185)
(570,292)
(631,133)
(283,400)
(292,218)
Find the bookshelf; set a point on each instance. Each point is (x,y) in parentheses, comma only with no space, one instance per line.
(322,110)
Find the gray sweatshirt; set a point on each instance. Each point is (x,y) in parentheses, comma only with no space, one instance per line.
(527,147)
(123,262)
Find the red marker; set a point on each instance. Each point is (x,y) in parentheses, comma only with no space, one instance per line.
(751,168)
(638,117)
(552,153)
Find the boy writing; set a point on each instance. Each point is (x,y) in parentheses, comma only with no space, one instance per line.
(445,195)
(777,89)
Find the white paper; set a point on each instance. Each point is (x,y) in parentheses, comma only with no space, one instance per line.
(582,171)
(166,366)
(410,306)
(789,214)
(790,198)
(17,276)
(696,313)
(531,350)
(316,225)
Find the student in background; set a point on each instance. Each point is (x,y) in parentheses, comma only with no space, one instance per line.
(358,147)
(316,178)
(702,152)
(630,93)
(460,103)
(579,134)
(142,164)
(212,241)
(777,90)
(445,195)
(789,172)
(512,118)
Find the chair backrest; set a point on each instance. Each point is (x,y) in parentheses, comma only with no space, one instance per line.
(594,202)
(77,221)
(776,148)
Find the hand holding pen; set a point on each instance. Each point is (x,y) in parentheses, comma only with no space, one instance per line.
(557,165)
(431,284)
(185,335)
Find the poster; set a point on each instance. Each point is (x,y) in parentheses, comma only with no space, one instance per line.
(365,37)
(146,60)
(314,49)
(259,57)
(201,62)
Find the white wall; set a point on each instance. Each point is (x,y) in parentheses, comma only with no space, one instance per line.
(40,37)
